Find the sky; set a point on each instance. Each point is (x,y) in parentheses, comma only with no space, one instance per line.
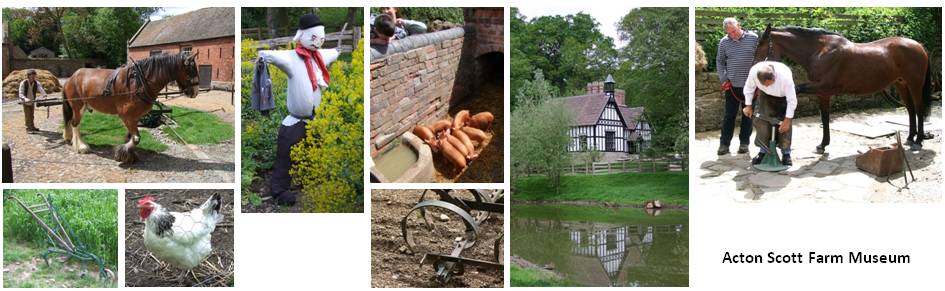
(606,15)
(171,11)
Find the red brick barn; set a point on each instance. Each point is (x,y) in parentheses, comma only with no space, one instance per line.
(210,32)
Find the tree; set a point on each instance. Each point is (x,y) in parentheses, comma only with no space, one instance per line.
(570,50)
(539,139)
(655,70)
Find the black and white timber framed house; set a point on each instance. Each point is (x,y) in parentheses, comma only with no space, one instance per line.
(604,122)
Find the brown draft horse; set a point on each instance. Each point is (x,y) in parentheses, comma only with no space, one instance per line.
(836,65)
(134,91)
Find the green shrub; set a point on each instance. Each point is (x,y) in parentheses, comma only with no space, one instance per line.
(329,162)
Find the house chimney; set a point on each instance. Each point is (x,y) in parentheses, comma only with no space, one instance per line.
(596,87)
(619,97)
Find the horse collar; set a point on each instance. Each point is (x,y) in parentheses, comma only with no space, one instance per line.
(144,81)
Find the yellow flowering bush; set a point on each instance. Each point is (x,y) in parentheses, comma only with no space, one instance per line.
(329,162)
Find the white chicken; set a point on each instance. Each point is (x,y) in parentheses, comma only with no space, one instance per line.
(181,239)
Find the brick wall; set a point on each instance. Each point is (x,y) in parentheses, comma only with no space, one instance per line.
(488,24)
(62,68)
(710,104)
(218,53)
(413,83)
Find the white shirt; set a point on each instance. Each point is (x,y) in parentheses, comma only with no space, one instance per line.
(783,85)
(26,91)
(301,99)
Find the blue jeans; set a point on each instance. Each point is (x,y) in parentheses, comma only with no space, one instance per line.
(733,109)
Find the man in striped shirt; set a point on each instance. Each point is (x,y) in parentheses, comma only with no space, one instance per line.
(732,62)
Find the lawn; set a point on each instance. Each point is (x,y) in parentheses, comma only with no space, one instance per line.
(671,188)
(198,127)
(100,129)
(529,277)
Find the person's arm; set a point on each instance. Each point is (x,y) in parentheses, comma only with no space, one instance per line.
(750,86)
(278,58)
(39,87)
(22,91)
(330,55)
(788,88)
(721,62)
(414,27)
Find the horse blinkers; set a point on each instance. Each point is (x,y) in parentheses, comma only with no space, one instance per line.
(193,77)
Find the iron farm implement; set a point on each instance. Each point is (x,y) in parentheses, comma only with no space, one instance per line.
(59,236)
(473,213)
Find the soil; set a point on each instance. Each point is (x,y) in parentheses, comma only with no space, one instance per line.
(35,272)
(45,158)
(488,167)
(260,186)
(395,265)
(143,270)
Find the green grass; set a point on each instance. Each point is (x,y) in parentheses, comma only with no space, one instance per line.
(567,212)
(92,215)
(671,188)
(198,127)
(100,129)
(529,277)
(56,275)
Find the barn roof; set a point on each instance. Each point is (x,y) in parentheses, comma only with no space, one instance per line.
(205,23)
(587,109)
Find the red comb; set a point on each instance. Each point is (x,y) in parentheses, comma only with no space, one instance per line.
(145,200)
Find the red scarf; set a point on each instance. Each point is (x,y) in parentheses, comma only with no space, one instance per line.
(307,56)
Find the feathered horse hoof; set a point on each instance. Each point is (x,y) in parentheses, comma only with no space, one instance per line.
(125,154)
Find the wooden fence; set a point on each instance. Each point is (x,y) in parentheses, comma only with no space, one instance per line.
(709,22)
(629,166)
(349,38)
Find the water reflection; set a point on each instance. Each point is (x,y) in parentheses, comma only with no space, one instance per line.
(606,254)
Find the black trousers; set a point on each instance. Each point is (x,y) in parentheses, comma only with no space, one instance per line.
(733,109)
(281,182)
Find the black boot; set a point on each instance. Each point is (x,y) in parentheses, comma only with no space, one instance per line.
(758,158)
(287,198)
(786,160)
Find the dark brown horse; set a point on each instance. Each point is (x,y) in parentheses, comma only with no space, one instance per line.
(836,65)
(134,90)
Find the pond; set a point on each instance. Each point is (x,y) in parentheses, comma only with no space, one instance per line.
(602,246)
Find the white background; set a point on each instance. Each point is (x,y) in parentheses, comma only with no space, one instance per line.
(332,251)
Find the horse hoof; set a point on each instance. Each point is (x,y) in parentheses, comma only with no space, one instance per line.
(915,147)
(82,149)
(125,155)
(819,150)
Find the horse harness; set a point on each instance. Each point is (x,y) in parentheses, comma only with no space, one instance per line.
(770,46)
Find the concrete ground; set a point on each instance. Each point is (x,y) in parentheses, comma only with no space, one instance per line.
(45,158)
(830,177)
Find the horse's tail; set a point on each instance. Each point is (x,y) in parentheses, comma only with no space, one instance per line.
(66,108)
(927,91)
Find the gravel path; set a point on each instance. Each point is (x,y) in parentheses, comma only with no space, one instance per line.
(822,178)
(45,158)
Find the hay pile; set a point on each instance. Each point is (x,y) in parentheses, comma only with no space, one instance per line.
(701,61)
(11,84)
